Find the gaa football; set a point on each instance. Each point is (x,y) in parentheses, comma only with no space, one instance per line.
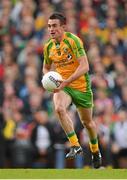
(50,80)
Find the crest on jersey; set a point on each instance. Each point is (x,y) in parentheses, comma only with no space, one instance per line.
(51,54)
(69,56)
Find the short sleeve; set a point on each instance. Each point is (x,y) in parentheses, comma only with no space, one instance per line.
(46,55)
(78,47)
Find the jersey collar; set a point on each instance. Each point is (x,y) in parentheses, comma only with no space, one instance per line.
(64,36)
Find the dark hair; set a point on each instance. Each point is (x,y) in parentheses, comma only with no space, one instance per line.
(59,16)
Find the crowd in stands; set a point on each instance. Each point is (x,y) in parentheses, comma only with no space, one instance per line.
(30,133)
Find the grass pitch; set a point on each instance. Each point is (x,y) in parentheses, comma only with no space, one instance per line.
(63,174)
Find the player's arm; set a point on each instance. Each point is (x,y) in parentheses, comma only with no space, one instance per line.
(80,54)
(46,68)
(81,70)
(47,62)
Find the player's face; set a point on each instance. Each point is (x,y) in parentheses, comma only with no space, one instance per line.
(55,29)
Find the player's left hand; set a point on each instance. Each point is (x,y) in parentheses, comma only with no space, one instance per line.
(63,84)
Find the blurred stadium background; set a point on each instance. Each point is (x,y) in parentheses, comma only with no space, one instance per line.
(30,135)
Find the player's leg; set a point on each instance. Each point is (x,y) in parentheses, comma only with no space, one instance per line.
(61,102)
(85,115)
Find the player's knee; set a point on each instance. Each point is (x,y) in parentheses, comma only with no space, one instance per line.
(60,110)
(89,124)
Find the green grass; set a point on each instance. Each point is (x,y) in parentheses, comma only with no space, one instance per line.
(63,174)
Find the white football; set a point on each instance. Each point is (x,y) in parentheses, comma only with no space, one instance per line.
(50,80)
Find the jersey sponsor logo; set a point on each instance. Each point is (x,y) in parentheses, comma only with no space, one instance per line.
(63,63)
